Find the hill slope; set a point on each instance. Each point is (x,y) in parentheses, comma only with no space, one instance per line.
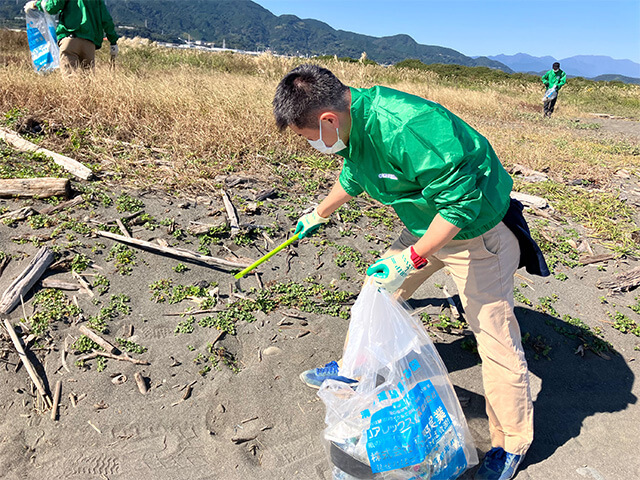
(246,25)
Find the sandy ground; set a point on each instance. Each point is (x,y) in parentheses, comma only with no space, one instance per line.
(263,423)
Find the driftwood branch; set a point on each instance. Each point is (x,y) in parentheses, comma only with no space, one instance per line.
(4,261)
(59,284)
(35,187)
(19,214)
(26,362)
(69,164)
(23,283)
(623,282)
(588,260)
(231,213)
(177,252)
(74,202)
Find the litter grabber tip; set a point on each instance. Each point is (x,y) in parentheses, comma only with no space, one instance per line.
(241,274)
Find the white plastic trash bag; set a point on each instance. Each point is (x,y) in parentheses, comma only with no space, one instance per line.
(403,421)
(550,94)
(43,41)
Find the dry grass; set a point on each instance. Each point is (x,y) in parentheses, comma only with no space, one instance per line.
(206,113)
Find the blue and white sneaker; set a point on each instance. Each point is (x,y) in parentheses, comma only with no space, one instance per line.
(498,465)
(314,377)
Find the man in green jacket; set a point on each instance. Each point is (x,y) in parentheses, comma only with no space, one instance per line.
(553,79)
(448,187)
(81,26)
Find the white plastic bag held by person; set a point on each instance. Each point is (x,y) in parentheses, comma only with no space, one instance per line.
(403,421)
(43,41)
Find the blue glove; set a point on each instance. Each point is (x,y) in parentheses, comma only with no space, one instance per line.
(309,223)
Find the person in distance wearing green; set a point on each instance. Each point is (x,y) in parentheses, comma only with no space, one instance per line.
(80,30)
(554,78)
(451,192)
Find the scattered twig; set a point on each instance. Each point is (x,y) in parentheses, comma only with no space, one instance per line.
(260,285)
(124,358)
(194,312)
(93,426)
(63,356)
(452,305)
(122,228)
(56,400)
(97,338)
(83,283)
(218,337)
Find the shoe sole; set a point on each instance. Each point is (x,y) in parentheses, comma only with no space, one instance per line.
(317,387)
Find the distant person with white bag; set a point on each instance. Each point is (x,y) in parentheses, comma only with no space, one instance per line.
(450,190)
(554,79)
(81,26)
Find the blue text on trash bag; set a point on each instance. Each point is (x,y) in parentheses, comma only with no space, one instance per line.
(42,38)
(413,428)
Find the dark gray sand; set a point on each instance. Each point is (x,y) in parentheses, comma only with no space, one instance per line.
(262,422)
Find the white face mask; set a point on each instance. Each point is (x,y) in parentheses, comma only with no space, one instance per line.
(322,147)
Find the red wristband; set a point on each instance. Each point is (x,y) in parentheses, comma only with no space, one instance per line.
(418,261)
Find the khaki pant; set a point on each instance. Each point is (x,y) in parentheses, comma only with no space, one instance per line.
(483,270)
(76,52)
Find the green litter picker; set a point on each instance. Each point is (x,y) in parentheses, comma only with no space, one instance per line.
(241,274)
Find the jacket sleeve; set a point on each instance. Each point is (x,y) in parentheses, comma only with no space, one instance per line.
(545,78)
(441,153)
(107,24)
(562,80)
(51,6)
(347,181)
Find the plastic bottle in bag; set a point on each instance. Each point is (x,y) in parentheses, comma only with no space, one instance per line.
(43,41)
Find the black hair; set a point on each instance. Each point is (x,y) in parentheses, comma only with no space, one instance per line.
(305,91)
(556,65)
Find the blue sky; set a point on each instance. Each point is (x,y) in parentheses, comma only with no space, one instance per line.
(560,28)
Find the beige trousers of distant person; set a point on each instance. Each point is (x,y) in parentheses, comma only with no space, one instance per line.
(76,52)
(483,270)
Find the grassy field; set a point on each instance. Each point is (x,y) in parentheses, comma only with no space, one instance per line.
(175,120)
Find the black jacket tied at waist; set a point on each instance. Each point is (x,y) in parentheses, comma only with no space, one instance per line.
(531,256)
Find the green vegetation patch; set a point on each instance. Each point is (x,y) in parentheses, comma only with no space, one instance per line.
(443,322)
(51,306)
(164,291)
(126,203)
(129,346)
(27,165)
(118,305)
(123,257)
(603,213)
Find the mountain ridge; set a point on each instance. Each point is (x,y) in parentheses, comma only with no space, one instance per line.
(588,66)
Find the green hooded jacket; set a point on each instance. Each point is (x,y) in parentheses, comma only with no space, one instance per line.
(421,159)
(88,19)
(552,78)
